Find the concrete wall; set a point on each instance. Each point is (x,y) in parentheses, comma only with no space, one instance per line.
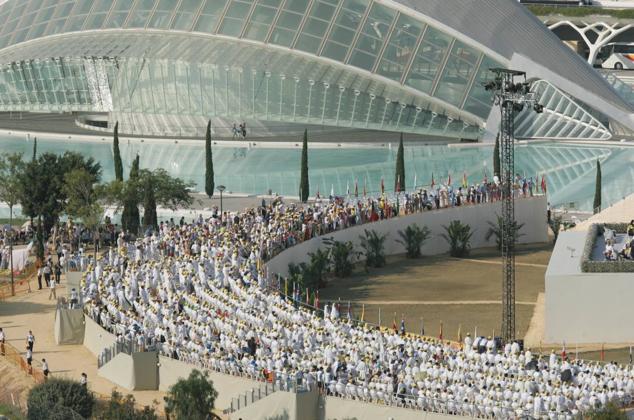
(530,211)
(333,408)
(277,406)
(145,371)
(228,386)
(73,279)
(96,338)
(585,308)
(119,370)
(69,326)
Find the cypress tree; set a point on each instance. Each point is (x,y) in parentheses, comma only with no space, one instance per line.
(130,214)
(304,188)
(209,164)
(399,176)
(118,166)
(496,156)
(34,149)
(149,206)
(596,206)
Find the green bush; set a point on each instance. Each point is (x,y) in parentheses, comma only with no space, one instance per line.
(543,10)
(413,238)
(192,398)
(609,412)
(495,230)
(458,236)
(341,257)
(123,408)
(11,412)
(373,246)
(60,399)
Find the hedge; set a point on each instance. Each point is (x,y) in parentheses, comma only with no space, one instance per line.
(590,266)
(544,10)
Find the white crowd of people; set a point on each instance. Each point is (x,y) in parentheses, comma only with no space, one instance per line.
(200,293)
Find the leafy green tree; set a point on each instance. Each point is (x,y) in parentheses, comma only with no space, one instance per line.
(596,206)
(319,262)
(118,165)
(11,169)
(83,200)
(495,230)
(413,238)
(130,215)
(373,246)
(60,399)
(399,176)
(458,236)
(158,187)
(209,163)
(304,187)
(42,193)
(496,156)
(123,408)
(192,398)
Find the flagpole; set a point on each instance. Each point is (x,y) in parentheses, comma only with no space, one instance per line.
(379,317)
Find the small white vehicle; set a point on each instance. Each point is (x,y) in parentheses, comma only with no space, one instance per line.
(617,56)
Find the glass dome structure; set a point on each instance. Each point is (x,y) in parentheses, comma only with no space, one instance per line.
(371,64)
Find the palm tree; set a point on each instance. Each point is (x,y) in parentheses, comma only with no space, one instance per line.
(413,238)
(373,246)
(495,229)
(341,254)
(458,235)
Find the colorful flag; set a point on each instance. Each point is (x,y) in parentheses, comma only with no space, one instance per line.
(544,189)
(364,189)
(317,299)
(602,352)
(415,181)
(394,327)
(402,325)
(449,180)
(563,352)
(433,183)
(460,333)
(349,311)
(630,355)
(347,188)
(332,190)
(356,187)
(465,181)
(307,297)
(382,186)
(440,332)
(318,197)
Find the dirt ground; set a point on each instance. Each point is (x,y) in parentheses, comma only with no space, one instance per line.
(463,294)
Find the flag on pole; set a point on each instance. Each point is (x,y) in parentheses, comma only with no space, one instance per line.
(356,188)
(465,181)
(415,181)
(364,188)
(317,196)
(398,184)
(317,299)
(394,327)
(382,186)
(349,312)
(460,333)
(379,316)
(602,352)
(293,291)
(332,190)
(544,189)
(563,352)
(363,313)
(440,332)
(307,297)
(630,355)
(433,183)
(286,287)
(449,180)
(402,325)
(422,326)
(347,188)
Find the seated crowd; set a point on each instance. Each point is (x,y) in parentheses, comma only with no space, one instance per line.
(614,252)
(200,293)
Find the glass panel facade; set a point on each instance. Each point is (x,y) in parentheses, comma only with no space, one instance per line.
(235,17)
(210,15)
(429,59)
(370,42)
(457,74)
(141,13)
(289,22)
(344,28)
(162,14)
(187,11)
(479,101)
(261,20)
(400,48)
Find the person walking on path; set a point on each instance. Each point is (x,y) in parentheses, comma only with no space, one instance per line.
(2,340)
(39,278)
(30,340)
(58,272)
(47,273)
(29,358)
(52,293)
(45,368)
(84,380)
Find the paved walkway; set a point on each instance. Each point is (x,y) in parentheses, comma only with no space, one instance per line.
(33,311)
(433,302)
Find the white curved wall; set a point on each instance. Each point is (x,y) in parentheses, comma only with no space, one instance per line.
(530,211)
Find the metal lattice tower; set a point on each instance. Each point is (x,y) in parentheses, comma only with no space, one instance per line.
(512,98)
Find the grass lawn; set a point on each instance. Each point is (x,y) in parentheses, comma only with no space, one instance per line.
(11,412)
(433,287)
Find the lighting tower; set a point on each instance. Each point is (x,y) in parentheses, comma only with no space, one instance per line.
(511,97)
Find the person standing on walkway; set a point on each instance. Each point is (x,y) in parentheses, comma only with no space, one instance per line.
(45,368)
(30,340)
(29,358)
(84,380)
(39,278)
(2,340)
(58,272)
(52,286)
(47,273)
